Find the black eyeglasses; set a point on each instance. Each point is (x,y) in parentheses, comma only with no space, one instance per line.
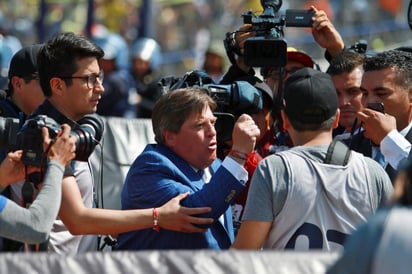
(90,78)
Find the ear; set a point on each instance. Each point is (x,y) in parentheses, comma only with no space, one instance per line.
(285,120)
(15,81)
(56,85)
(170,138)
(336,123)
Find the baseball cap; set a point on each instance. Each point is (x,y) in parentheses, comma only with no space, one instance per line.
(299,56)
(310,96)
(24,62)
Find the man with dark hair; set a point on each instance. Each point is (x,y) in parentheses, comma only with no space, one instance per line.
(313,195)
(71,80)
(24,92)
(388,80)
(346,70)
(185,160)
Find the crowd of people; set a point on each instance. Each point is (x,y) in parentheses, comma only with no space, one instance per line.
(308,164)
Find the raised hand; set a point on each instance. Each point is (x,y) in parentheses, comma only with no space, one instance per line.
(325,33)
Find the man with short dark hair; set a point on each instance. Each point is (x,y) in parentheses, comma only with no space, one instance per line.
(313,195)
(387,79)
(24,92)
(346,70)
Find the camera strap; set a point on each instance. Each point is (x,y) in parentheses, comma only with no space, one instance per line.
(338,153)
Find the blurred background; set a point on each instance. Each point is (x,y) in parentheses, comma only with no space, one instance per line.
(186,29)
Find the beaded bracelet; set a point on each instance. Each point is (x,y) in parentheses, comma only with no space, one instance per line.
(156,226)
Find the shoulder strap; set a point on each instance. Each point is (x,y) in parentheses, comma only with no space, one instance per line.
(338,153)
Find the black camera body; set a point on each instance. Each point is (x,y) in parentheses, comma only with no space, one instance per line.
(29,138)
(269,48)
(231,99)
(236,98)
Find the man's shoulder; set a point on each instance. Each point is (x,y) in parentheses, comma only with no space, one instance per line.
(376,171)
(8,109)
(316,153)
(158,155)
(154,150)
(355,155)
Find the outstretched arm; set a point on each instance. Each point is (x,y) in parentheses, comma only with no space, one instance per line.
(33,225)
(82,220)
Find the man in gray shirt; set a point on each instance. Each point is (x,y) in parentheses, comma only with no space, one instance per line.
(300,200)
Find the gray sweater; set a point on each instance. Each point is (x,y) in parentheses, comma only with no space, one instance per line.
(33,225)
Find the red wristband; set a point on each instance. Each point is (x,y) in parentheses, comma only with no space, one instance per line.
(156,226)
(241,155)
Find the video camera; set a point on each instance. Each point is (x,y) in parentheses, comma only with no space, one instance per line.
(232,100)
(29,138)
(268,48)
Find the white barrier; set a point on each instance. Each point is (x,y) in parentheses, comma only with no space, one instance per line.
(123,140)
(173,262)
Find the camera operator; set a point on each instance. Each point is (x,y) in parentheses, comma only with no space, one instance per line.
(33,224)
(325,34)
(71,80)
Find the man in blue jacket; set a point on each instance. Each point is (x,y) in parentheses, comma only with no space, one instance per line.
(184,160)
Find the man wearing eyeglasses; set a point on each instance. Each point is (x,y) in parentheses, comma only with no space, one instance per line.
(23,95)
(71,80)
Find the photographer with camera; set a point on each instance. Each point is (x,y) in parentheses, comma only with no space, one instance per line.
(23,95)
(185,160)
(323,31)
(33,224)
(71,80)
